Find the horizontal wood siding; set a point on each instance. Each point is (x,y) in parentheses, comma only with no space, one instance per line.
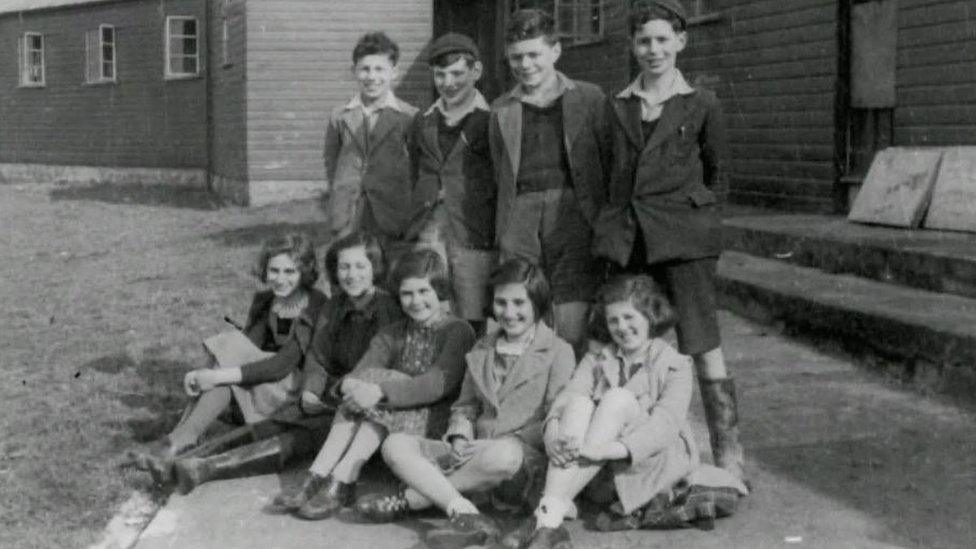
(607,62)
(936,74)
(140,121)
(773,63)
(299,59)
(229,101)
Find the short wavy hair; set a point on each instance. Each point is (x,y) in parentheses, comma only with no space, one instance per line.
(374,43)
(643,293)
(424,263)
(529,24)
(530,275)
(299,248)
(369,242)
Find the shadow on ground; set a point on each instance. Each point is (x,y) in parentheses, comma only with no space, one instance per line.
(143,195)
(256,234)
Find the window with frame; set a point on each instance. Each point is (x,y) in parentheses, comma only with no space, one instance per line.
(100,55)
(32,60)
(577,21)
(182,47)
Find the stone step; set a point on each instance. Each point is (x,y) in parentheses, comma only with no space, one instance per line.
(929,336)
(939,261)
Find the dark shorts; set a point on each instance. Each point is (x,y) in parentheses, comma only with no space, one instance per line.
(690,287)
(549,229)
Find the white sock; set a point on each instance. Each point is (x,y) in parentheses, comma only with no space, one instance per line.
(550,512)
(461,506)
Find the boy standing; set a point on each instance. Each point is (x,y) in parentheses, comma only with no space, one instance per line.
(660,219)
(454,193)
(550,154)
(366,158)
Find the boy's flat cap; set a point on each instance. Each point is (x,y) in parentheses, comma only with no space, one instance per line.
(453,42)
(674,6)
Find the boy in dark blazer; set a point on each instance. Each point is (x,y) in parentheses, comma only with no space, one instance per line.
(550,155)
(660,218)
(366,158)
(454,189)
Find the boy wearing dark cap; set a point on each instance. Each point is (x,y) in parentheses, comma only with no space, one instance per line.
(660,218)
(550,151)
(454,190)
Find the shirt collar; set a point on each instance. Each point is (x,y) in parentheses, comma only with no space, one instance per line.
(346,307)
(388,101)
(679,86)
(477,103)
(563,84)
(641,355)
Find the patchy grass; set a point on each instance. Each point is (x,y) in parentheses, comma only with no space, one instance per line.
(106,294)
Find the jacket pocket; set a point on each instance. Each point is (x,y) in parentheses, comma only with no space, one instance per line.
(702,197)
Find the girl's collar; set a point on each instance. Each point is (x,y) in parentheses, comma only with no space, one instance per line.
(291,306)
(517,347)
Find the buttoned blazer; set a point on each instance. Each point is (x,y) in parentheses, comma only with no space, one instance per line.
(519,405)
(376,164)
(585,137)
(462,178)
(668,186)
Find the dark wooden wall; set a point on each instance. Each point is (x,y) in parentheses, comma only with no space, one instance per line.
(228,93)
(140,121)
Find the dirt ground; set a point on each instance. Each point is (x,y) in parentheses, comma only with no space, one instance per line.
(105,293)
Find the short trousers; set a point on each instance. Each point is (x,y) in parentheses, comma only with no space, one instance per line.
(690,287)
(549,229)
(523,490)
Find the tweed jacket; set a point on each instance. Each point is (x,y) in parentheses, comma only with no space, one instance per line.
(586,139)
(518,407)
(661,444)
(288,357)
(368,164)
(668,186)
(461,180)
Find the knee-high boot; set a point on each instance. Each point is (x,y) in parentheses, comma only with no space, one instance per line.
(722,416)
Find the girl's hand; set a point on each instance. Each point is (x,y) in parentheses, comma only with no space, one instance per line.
(461,449)
(563,451)
(311,404)
(364,395)
(198,381)
(348,384)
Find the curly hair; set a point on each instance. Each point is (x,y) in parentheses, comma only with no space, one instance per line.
(642,12)
(374,43)
(422,263)
(645,295)
(530,24)
(520,271)
(369,242)
(299,248)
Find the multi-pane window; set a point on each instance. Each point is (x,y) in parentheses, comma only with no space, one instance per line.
(100,54)
(182,47)
(32,59)
(577,21)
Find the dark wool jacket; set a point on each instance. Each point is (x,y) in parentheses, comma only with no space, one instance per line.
(667,186)
(461,179)
(288,356)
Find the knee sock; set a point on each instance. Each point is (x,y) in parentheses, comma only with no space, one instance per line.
(551,511)
(205,410)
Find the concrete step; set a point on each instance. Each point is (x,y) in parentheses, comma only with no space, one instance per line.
(939,261)
(930,336)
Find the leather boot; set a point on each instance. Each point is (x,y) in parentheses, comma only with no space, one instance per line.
(258,457)
(722,416)
(328,500)
(289,501)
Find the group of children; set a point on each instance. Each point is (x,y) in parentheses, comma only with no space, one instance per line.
(557,206)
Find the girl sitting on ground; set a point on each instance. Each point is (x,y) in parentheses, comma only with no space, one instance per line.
(280,321)
(495,438)
(624,412)
(411,366)
(343,330)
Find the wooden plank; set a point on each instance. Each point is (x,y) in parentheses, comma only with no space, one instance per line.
(897,188)
(953,204)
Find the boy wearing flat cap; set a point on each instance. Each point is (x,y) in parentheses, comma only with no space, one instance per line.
(660,218)
(454,189)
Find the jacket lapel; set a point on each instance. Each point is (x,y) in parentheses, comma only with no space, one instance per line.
(480,361)
(573,118)
(628,113)
(430,141)
(386,120)
(671,118)
(353,119)
(529,365)
(510,122)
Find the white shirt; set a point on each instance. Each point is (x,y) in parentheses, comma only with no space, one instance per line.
(652,103)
